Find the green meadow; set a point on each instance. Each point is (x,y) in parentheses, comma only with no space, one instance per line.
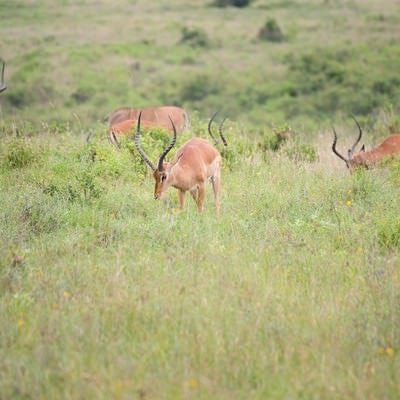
(292,292)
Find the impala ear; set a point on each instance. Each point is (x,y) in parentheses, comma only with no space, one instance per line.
(349,154)
(173,164)
(363,148)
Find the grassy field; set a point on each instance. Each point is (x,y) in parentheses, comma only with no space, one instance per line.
(293,292)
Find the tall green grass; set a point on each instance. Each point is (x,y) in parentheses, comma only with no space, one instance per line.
(291,292)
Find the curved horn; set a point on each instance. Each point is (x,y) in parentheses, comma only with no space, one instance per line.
(168,148)
(139,148)
(334,146)
(2,85)
(221,134)
(209,127)
(359,136)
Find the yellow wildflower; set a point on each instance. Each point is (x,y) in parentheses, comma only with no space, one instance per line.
(192,382)
(389,351)
(20,323)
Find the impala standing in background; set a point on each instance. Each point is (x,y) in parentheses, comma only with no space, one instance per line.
(390,146)
(123,119)
(3,87)
(194,163)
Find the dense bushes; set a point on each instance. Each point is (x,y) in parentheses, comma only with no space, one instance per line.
(331,80)
(235,3)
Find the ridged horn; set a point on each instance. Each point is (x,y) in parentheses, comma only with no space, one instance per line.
(139,148)
(209,128)
(334,147)
(359,136)
(168,148)
(221,134)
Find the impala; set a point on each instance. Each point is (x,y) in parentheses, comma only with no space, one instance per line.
(121,120)
(2,84)
(194,163)
(390,146)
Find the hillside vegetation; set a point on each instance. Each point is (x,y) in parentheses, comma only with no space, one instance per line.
(292,291)
(70,59)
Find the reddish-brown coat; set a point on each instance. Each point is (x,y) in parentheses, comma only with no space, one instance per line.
(123,119)
(390,146)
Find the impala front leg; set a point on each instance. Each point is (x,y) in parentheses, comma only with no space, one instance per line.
(181,199)
(216,184)
(200,196)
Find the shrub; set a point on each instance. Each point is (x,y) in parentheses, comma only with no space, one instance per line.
(271,31)
(234,3)
(195,37)
(17,154)
(275,140)
(199,87)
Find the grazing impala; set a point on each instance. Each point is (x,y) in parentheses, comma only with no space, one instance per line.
(390,146)
(194,163)
(123,119)
(2,84)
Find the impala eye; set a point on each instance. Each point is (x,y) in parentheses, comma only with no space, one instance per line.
(163,178)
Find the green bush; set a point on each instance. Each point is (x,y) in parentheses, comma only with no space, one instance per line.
(17,153)
(276,139)
(195,37)
(271,31)
(199,87)
(234,3)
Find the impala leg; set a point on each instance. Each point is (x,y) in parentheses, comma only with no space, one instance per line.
(200,196)
(216,184)
(181,199)
(194,193)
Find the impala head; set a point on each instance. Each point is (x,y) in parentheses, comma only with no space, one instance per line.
(161,172)
(353,159)
(2,84)
(216,141)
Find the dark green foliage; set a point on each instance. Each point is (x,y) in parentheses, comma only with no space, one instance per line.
(271,31)
(330,80)
(198,87)
(234,3)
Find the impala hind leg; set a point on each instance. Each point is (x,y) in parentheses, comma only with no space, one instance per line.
(216,184)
